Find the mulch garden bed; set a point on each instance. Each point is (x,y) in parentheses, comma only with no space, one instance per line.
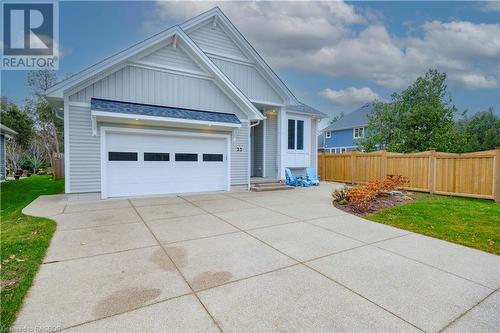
(379,203)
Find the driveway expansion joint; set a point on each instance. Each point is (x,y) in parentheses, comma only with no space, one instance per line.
(177,268)
(468,310)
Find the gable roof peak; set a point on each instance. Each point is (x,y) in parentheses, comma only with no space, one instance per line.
(250,52)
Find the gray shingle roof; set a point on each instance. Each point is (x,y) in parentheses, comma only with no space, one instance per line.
(97,104)
(304,108)
(356,118)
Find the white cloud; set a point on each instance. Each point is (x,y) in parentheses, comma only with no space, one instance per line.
(491,6)
(475,81)
(349,96)
(319,37)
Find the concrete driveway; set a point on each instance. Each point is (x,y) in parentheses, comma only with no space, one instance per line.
(283,261)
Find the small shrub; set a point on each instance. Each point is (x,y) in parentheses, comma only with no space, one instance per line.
(361,196)
(340,194)
(343,202)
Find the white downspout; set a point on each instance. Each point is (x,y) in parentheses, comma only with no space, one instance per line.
(253,125)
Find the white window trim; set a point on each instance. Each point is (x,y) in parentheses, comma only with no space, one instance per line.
(104,130)
(328,134)
(354,133)
(296,135)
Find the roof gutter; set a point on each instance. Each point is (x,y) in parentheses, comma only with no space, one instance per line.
(255,124)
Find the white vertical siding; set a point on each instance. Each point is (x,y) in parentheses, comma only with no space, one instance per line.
(314,143)
(271,145)
(249,81)
(141,85)
(170,57)
(239,159)
(84,152)
(213,39)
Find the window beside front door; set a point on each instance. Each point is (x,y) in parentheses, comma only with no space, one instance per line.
(359,132)
(295,134)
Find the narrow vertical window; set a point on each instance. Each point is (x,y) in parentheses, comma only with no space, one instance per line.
(300,134)
(291,134)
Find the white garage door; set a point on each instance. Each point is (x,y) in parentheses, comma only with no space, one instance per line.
(143,164)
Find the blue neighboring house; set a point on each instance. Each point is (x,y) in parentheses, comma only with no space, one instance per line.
(343,135)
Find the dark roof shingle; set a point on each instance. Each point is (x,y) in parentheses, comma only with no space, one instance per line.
(356,118)
(105,105)
(304,108)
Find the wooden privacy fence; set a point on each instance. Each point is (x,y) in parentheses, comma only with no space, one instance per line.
(58,165)
(474,175)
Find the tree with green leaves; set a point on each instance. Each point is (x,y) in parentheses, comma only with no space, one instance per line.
(417,119)
(18,120)
(49,124)
(480,131)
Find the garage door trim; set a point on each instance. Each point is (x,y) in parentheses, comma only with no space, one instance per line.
(105,130)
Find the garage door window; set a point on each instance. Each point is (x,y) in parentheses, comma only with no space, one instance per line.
(157,157)
(184,157)
(213,157)
(122,156)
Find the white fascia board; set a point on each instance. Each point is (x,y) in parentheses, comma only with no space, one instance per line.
(249,51)
(7,131)
(314,116)
(103,115)
(266,103)
(58,89)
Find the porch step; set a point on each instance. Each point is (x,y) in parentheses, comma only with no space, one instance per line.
(259,180)
(275,186)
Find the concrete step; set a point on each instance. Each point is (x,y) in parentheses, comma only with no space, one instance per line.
(276,187)
(258,180)
(268,184)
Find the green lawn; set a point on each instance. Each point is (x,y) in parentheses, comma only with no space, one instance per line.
(24,240)
(470,222)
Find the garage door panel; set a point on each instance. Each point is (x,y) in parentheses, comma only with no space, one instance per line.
(165,175)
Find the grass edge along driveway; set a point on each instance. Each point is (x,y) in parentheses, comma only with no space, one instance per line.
(24,240)
(471,222)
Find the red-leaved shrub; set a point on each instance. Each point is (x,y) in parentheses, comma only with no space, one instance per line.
(361,196)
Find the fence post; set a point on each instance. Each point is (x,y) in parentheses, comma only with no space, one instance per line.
(432,170)
(496,173)
(321,168)
(383,164)
(353,167)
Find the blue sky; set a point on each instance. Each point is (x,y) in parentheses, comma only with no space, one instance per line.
(334,56)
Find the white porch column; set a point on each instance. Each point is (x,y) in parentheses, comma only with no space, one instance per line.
(282,142)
